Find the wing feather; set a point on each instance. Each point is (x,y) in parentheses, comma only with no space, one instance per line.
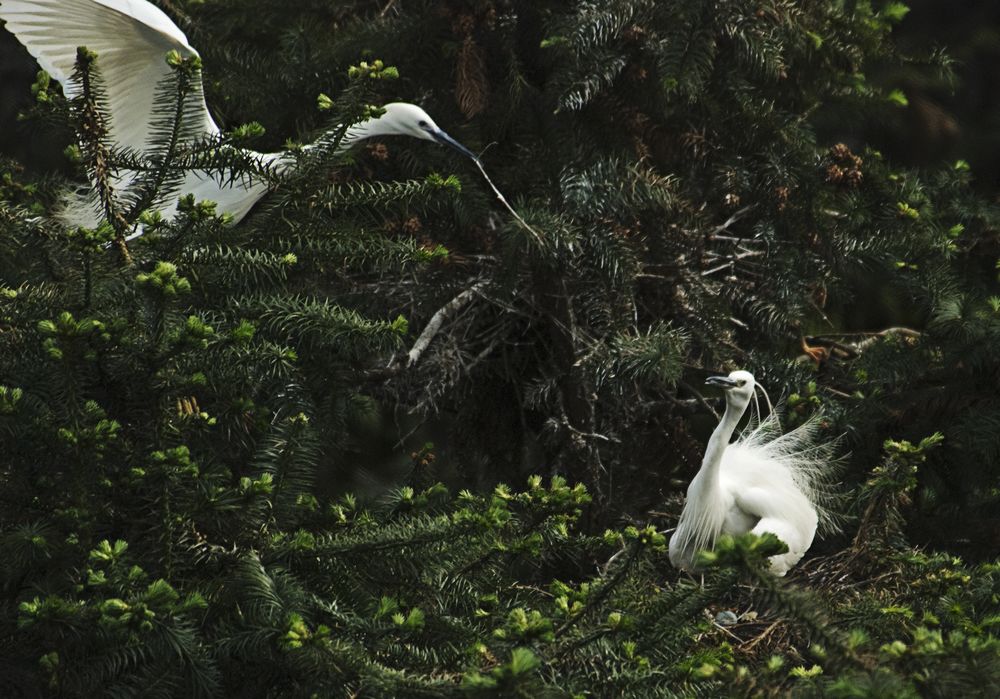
(809,461)
(131,39)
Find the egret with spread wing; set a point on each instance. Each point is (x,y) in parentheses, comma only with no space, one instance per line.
(131,39)
(764,482)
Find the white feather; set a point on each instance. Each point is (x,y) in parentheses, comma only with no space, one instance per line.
(131,39)
(765,482)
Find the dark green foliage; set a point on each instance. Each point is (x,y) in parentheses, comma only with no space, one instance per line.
(181,418)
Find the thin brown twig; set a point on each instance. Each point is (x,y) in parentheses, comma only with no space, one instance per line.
(700,398)
(760,637)
(385,10)
(503,200)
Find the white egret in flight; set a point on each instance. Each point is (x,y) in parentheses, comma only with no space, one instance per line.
(764,482)
(131,39)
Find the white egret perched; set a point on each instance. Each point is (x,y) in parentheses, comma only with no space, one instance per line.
(764,482)
(131,39)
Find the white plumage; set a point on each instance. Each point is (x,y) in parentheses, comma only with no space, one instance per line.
(131,39)
(764,482)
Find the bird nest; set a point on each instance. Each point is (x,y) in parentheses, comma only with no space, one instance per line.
(756,629)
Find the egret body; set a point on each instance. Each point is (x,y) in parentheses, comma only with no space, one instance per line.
(761,483)
(131,39)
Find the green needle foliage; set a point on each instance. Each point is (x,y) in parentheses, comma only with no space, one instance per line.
(682,161)
(183,418)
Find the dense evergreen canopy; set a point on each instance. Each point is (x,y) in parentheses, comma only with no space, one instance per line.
(382,439)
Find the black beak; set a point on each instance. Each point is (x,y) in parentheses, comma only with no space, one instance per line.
(723,382)
(446,140)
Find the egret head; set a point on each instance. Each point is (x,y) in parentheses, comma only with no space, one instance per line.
(405,119)
(739,386)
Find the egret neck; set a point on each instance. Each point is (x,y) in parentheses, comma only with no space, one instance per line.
(720,438)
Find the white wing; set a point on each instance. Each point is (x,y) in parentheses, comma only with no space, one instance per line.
(810,462)
(131,39)
(782,510)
